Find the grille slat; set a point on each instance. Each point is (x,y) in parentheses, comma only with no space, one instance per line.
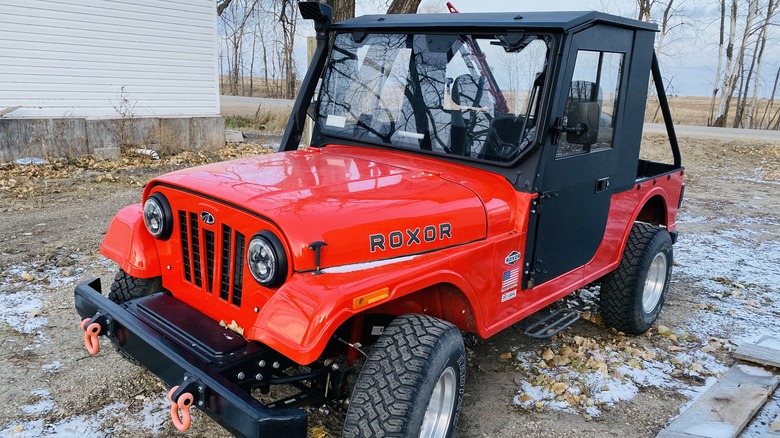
(224,284)
(238,274)
(185,246)
(209,235)
(195,249)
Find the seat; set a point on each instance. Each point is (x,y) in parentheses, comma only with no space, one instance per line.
(471,117)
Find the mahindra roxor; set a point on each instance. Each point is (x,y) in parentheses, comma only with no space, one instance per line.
(465,171)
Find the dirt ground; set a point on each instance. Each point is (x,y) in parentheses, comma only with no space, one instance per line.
(724,292)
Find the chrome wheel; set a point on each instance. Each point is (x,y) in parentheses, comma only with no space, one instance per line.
(439,411)
(654,283)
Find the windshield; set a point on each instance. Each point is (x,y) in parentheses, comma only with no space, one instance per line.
(464,95)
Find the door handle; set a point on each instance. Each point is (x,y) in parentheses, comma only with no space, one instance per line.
(602,184)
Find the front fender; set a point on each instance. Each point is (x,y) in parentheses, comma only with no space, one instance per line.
(129,244)
(299,319)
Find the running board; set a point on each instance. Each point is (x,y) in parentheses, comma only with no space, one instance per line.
(552,324)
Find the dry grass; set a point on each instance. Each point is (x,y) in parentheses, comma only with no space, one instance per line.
(256,87)
(266,120)
(689,110)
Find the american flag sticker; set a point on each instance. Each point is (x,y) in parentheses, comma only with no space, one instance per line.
(509,279)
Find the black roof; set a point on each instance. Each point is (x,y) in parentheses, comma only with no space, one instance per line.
(500,20)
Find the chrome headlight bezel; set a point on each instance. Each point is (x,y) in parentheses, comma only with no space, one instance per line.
(275,259)
(157,205)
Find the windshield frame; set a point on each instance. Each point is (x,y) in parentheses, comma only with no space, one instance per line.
(540,102)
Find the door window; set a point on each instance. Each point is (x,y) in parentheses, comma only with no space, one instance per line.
(596,78)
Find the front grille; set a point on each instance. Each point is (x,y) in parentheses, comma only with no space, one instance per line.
(225,264)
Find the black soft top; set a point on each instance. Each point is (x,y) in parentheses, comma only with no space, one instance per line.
(564,21)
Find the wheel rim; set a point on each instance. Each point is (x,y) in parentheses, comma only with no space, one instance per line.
(439,410)
(654,283)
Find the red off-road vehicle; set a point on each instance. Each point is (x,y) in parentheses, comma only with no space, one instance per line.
(465,171)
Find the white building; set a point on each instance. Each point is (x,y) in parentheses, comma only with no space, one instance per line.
(101,59)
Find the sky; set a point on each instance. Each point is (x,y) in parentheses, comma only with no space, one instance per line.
(689,60)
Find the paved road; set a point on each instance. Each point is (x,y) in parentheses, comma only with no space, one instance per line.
(724,133)
(247,106)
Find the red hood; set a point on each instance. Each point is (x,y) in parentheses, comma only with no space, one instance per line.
(363,209)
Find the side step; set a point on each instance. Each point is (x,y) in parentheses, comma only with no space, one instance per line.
(552,324)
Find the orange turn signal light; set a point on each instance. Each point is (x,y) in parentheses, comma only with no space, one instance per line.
(370,298)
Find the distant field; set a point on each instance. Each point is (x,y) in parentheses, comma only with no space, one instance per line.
(686,110)
(690,110)
(257,87)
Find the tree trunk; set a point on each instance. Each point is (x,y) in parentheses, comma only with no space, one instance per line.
(644,9)
(716,82)
(342,9)
(221,6)
(404,7)
(770,104)
(740,64)
(664,26)
(752,110)
(730,79)
(288,20)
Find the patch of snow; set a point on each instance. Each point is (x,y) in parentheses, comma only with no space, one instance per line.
(759,427)
(153,415)
(21,311)
(737,271)
(730,254)
(26,161)
(588,375)
(44,405)
(687,218)
(53,366)
(105,422)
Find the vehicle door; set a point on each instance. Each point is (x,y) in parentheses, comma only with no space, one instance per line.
(575,189)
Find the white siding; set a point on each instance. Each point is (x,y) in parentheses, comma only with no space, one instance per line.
(63,58)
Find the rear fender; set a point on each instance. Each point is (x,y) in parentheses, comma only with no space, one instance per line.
(129,244)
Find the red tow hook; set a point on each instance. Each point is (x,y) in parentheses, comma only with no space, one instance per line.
(91,333)
(184,403)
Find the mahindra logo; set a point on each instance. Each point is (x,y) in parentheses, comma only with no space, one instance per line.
(207,218)
(512,258)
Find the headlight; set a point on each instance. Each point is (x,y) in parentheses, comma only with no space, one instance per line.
(266,259)
(158,216)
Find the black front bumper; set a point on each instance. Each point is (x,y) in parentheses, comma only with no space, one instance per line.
(207,374)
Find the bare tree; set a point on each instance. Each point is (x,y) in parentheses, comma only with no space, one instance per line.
(342,9)
(234,19)
(431,8)
(222,5)
(734,64)
(770,104)
(758,57)
(403,6)
(288,19)
(716,82)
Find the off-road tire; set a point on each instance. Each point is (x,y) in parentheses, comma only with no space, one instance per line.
(126,287)
(396,383)
(622,290)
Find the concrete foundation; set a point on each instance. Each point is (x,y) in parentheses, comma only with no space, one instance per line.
(71,137)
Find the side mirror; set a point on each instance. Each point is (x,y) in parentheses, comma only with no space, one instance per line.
(583,123)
